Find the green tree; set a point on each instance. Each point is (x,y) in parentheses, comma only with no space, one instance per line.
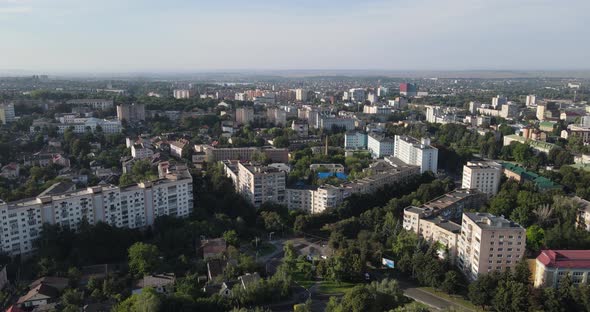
(535,237)
(143,258)
(511,296)
(231,238)
(451,283)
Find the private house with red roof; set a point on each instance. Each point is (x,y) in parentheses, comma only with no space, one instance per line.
(553,265)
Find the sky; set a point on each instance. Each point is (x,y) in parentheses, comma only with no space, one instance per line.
(227,35)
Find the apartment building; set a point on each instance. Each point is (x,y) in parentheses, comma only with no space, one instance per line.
(212,154)
(181,93)
(141,151)
(379,145)
(355,140)
(276,116)
(434,220)
(489,243)
(78,125)
(418,153)
(553,265)
(133,206)
(244,115)
(301,95)
(257,183)
(131,112)
(318,199)
(98,104)
(330,122)
(7,114)
(482,175)
(178,147)
(300,127)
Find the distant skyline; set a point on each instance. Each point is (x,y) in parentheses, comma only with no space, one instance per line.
(116,36)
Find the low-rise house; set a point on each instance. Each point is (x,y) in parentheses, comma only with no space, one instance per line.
(162,283)
(59,283)
(247,280)
(10,171)
(40,295)
(213,248)
(553,265)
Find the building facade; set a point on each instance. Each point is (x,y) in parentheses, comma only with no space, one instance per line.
(135,206)
(354,140)
(482,175)
(379,145)
(553,265)
(488,243)
(244,115)
(418,153)
(257,183)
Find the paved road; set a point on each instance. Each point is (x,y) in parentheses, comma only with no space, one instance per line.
(428,298)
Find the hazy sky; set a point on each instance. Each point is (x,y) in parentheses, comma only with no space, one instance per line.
(183,35)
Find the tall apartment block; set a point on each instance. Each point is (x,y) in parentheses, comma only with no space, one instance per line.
(244,115)
(7,114)
(489,243)
(135,206)
(483,176)
(131,112)
(257,183)
(418,153)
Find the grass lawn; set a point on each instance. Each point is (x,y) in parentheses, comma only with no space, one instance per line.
(330,287)
(264,248)
(298,277)
(453,298)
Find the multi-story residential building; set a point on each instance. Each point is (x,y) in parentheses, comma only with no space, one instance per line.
(178,147)
(398,103)
(372,97)
(583,219)
(580,131)
(244,115)
(330,122)
(418,153)
(212,154)
(442,115)
(131,112)
(135,206)
(181,93)
(489,243)
(300,127)
(498,101)
(354,140)
(78,125)
(141,151)
(257,183)
(316,200)
(382,91)
(509,110)
(553,265)
(482,175)
(98,104)
(276,116)
(7,114)
(408,89)
(301,95)
(376,110)
(379,145)
(473,107)
(357,94)
(531,100)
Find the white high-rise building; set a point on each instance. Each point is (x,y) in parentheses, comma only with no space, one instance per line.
(418,153)
(531,100)
(181,94)
(301,95)
(499,100)
(379,146)
(134,206)
(355,140)
(7,114)
(382,91)
(483,176)
(357,94)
